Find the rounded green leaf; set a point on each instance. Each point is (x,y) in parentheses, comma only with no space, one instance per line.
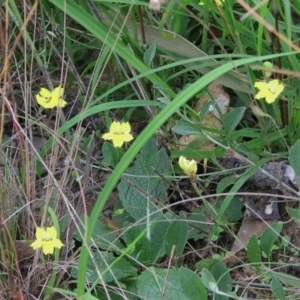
(253,251)
(176,236)
(192,285)
(269,237)
(277,289)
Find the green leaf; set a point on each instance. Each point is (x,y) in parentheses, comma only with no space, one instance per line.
(192,285)
(121,269)
(253,251)
(211,284)
(295,213)
(236,187)
(128,291)
(153,282)
(234,210)
(205,264)
(104,236)
(149,54)
(198,225)
(224,183)
(294,159)
(111,154)
(176,236)
(223,279)
(269,237)
(233,118)
(215,230)
(142,249)
(206,108)
(208,278)
(287,279)
(185,128)
(277,289)
(158,234)
(141,184)
(148,249)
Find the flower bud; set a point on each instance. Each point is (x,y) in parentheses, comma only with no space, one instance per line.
(155,4)
(258,112)
(189,167)
(268,74)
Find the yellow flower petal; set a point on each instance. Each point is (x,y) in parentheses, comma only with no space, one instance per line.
(57,243)
(51,232)
(108,136)
(58,102)
(39,233)
(261,85)
(270,98)
(262,94)
(48,247)
(62,103)
(275,87)
(115,127)
(45,93)
(126,127)
(128,137)
(118,140)
(36,244)
(57,92)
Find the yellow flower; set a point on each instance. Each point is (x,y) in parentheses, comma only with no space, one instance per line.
(118,133)
(48,99)
(270,90)
(189,167)
(218,2)
(46,239)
